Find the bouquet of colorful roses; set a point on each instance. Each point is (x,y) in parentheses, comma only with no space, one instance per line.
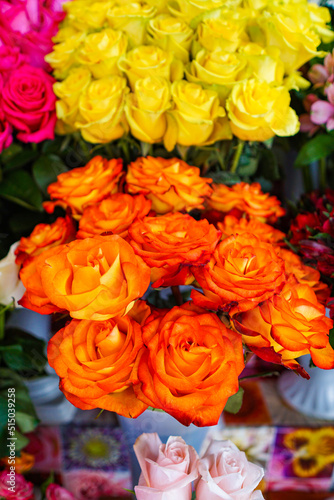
(27,103)
(126,230)
(186,72)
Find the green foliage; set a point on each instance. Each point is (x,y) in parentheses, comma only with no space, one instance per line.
(46,169)
(234,402)
(319,147)
(26,418)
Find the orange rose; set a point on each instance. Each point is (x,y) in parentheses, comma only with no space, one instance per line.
(287,326)
(23,463)
(170,244)
(243,271)
(35,297)
(95,278)
(305,275)
(95,360)
(249,199)
(172,185)
(85,186)
(190,365)
(113,215)
(45,236)
(265,232)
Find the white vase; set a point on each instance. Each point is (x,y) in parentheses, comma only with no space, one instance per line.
(314,397)
(164,425)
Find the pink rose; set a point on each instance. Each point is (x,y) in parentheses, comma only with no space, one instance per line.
(6,137)
(10,58)
(30,25)
(15,487)
(226,474)
(167,469)
(55,492)
(28,102)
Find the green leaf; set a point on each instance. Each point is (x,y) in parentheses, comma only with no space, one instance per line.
(47,482)
(25,422)
(228,178)
(234,402)
(16,359)
(319,147)
(20,160)
(19,187)
(10,152)
(331,338)
(46,169)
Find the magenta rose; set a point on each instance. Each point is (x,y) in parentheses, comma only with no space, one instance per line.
(15,487)
(10,59)
(28,103)
(31,24)
(6,137)
(55,492)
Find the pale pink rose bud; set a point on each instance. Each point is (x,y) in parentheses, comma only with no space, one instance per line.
(225,473)
(167,469)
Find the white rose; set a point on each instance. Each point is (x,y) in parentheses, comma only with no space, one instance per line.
(11,287)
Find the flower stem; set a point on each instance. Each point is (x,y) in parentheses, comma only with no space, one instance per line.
(177,295)
(307,178)
(237,155)
(322,174)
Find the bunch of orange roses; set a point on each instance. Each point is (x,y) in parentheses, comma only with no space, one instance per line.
(126,230)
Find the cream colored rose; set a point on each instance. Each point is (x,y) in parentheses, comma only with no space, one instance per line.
(131,18)
(69,91)
(149,60)
(145,109)
(197,117)
(259,111)
(101,51)
(11,287)
(101,109)
(170,34)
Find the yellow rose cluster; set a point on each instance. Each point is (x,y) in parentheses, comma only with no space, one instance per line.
(186,72)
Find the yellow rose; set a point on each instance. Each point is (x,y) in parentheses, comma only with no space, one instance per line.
(101,51)
(188,9)
(171,34)
(64,33)
(219,69)
(221,29)
(149,60)
(83,14)
(265,64)
(145,109)
(320,17)
(131,18)
(160,5)
(101,109)
(197,117)
(259,111)
(64,54)
(69,91)
(297,43)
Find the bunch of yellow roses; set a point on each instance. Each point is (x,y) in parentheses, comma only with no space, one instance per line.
(186,72)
